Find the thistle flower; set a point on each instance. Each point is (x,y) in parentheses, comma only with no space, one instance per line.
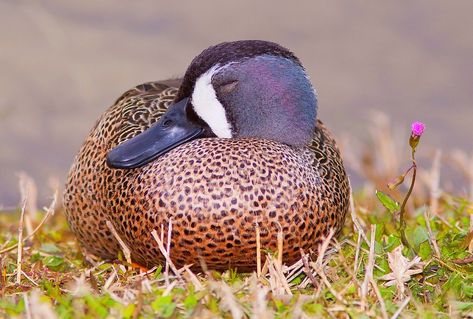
(417,128)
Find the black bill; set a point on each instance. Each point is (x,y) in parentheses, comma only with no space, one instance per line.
(173,129)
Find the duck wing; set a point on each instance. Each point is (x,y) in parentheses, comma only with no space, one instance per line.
(142,106)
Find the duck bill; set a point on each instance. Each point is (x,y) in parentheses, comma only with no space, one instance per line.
(173,129)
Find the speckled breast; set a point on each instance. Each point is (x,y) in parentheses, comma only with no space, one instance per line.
(215,192)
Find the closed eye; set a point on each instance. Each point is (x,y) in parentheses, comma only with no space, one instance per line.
(228,87)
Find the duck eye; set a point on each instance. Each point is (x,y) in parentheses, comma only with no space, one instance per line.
(167,123)
(228,87)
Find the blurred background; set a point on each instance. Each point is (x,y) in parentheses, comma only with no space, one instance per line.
(63,63)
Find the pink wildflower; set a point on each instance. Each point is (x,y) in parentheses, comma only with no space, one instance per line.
(417,129)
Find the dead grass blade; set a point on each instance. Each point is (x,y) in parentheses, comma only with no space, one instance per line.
(318,266)
(259,303)
(193,278)
(168,251)
(124,247)
(307,270)
(110,279)
(3,279)
(294,270)
(165,254)
(368,270)
(79,287)
(29,195)
(401,308)
(369,279)
(20,243)
(228,300)
(276,278)
(357,263)
(42,309)
(258,250)
(27,306)
(280,239)
(432,239)
(139,301)
(354,217)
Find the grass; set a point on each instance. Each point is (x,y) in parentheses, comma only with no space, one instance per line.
(364,273)
(57,280)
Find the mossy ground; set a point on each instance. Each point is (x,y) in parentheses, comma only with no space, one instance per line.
(57,280)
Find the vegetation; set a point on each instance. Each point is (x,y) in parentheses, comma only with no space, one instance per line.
(366,272)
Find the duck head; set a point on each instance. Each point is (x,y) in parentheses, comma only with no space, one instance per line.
(231,90)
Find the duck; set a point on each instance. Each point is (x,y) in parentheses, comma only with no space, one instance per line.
(231,149)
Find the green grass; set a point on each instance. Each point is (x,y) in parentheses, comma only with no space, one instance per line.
(57,280)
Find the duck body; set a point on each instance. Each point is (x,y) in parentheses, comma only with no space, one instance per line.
(212,190)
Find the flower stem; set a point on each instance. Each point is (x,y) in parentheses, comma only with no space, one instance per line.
(402,212)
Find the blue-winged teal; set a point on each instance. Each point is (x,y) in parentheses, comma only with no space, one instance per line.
(233,143)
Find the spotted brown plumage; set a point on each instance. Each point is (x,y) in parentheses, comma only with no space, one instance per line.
(214,190)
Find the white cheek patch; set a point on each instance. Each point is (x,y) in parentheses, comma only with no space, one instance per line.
(208,107)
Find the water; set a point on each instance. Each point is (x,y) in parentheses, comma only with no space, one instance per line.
(63,63)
